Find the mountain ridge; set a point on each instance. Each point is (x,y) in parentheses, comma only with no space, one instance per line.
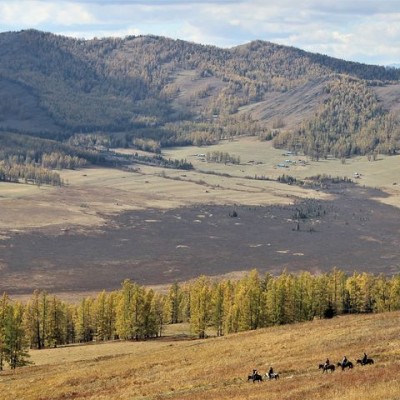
(168,90)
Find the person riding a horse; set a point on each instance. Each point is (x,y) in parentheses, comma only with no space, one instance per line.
(365,358)
(326,363)
(271,373)
(344,361)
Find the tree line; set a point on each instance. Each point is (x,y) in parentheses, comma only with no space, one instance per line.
(222,157)
(135,312)
(37,175)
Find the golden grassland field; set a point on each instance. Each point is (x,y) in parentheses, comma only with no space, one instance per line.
(217,368)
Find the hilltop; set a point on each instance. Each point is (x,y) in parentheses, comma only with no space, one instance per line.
(217,368)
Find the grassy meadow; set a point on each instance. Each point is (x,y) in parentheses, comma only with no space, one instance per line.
(217,368)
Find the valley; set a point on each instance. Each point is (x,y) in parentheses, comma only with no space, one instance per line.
(157,226)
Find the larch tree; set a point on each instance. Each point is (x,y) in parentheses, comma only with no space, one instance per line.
(84,320)
(157,309)
(173,304)
(4,315)
(394,293)
(36,319)
(200,306)
(382,291)
(217,300)
(56,322)
(16,343)
(130,311)
(100,317)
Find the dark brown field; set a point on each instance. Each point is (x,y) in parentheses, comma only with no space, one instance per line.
(157,247)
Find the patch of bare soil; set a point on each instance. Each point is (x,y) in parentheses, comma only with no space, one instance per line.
(155,247)
(293,106)
(389,96)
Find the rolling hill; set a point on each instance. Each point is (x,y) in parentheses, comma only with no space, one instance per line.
(217,368)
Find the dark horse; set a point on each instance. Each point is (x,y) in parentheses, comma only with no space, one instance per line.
(325,368)
(348,365)
(255,377)
(366,362)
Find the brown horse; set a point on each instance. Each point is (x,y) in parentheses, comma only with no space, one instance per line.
(325,368)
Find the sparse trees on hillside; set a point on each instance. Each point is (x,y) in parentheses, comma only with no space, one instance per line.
(349,122)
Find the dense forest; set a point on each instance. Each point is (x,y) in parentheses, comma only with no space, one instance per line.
(152,92)
(217,306)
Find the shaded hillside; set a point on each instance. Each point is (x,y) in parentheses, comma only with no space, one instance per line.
(171,91)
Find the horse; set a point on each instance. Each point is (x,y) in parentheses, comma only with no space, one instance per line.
(366,362)
(324,367)
(348,365)
(255,377)
(274,375)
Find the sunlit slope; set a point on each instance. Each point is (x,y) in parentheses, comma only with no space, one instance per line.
(217,368)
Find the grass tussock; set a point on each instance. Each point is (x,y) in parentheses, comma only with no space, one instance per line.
(217,368)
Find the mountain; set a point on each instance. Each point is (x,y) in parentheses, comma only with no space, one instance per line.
(177,92)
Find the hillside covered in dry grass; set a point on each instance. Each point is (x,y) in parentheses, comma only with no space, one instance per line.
(217,368)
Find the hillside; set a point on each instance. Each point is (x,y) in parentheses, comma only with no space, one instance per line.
(174,91)
(217,368)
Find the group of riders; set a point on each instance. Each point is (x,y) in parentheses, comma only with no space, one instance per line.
(271,374)
(345,361)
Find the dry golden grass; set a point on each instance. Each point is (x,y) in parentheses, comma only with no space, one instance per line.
(217,368)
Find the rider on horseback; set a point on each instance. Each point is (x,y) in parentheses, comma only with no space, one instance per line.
(326,363)
(344,361)
(364,359)
(271,373)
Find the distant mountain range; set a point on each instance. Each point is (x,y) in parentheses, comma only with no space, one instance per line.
(176,92)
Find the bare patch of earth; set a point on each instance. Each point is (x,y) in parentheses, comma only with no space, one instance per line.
(157,247)
(293,106)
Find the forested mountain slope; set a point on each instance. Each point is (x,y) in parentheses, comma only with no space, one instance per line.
(176,92)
